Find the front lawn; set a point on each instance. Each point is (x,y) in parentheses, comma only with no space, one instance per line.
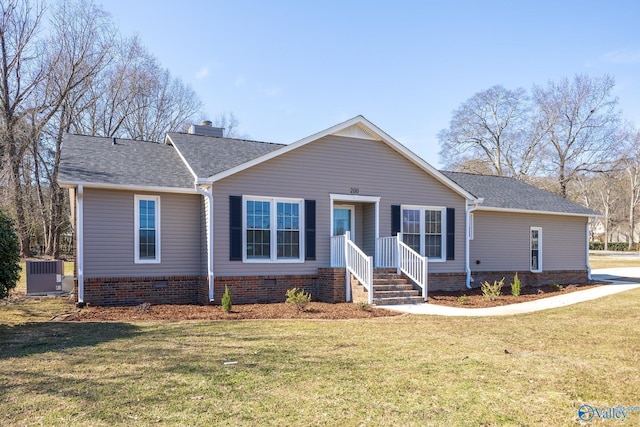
(534,369)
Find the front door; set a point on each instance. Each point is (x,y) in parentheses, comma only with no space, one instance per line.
(343,220)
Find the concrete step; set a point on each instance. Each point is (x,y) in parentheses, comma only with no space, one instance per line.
(398,300)
(396,293)
(386,281)
(384,271)
(392,287)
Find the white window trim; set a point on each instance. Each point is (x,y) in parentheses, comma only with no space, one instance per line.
(136,224)
(539,229)
(443,229)
(273,214)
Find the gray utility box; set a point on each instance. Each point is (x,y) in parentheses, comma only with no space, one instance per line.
(44,277)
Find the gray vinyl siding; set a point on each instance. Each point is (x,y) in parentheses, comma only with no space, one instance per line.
(369,241)
(334,165)
(501,241)
(109,235)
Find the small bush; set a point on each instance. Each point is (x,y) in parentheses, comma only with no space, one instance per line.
(464,299)
(9,256)
(226,300)
(516,286)
(298,297)
(363,306)
(492,292)
(556,287)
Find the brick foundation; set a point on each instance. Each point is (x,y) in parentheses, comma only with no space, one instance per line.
(263,289)
(123,291)
(446,281)
(527,278)
(331,285)
(358,292)
(457,281)
(326,286)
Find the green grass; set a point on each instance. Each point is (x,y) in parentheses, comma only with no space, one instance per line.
(407,370)
(612,261)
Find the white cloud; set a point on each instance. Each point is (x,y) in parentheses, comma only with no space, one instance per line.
(622,56)
(202,73)
(270,91)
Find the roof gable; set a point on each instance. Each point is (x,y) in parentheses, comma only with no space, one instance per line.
(357,127)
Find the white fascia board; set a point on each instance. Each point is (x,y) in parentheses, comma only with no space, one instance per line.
(169,141)
(527,211)
(386,138)
(71,184)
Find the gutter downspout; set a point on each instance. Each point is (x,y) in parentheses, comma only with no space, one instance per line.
(209,195)
(80,244)
(591,221)
(468,210)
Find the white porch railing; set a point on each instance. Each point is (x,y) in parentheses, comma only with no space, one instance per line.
(345,253)
(413,265)
(387,252)
(337,251)
(392,252)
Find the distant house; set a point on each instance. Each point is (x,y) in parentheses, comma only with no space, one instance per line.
(346,213)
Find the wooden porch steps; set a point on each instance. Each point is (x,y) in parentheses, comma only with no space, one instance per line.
(390,288)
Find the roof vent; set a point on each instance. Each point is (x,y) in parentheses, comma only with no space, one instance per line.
(205,129)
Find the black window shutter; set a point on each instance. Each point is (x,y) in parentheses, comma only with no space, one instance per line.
(310,229)
(395,219)
(235,228)
(451,233)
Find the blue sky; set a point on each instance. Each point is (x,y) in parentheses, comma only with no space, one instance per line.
(288,69)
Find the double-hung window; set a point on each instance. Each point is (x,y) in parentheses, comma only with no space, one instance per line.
(535,244)
(272,229)
(422,230)
(147,229)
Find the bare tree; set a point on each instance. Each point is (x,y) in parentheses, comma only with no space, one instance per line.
(579,122)
(161,103)
(230,124)
(109,100)
(492,128)
(79,47)
(632,174)
(20,74)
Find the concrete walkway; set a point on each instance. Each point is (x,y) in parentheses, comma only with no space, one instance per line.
(622,279)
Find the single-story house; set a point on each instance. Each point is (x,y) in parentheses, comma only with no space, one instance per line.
(347,213)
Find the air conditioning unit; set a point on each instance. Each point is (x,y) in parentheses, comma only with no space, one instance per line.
(44,277)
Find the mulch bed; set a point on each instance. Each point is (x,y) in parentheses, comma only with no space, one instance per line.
(315,310)
(473,298)
(470,298)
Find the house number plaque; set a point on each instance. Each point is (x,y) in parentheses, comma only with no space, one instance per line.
(355,190)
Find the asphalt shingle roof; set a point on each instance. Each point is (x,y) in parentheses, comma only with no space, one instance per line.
(97,160)
(209,156)
(509,193)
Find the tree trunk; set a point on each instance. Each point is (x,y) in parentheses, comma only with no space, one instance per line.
(21,224)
